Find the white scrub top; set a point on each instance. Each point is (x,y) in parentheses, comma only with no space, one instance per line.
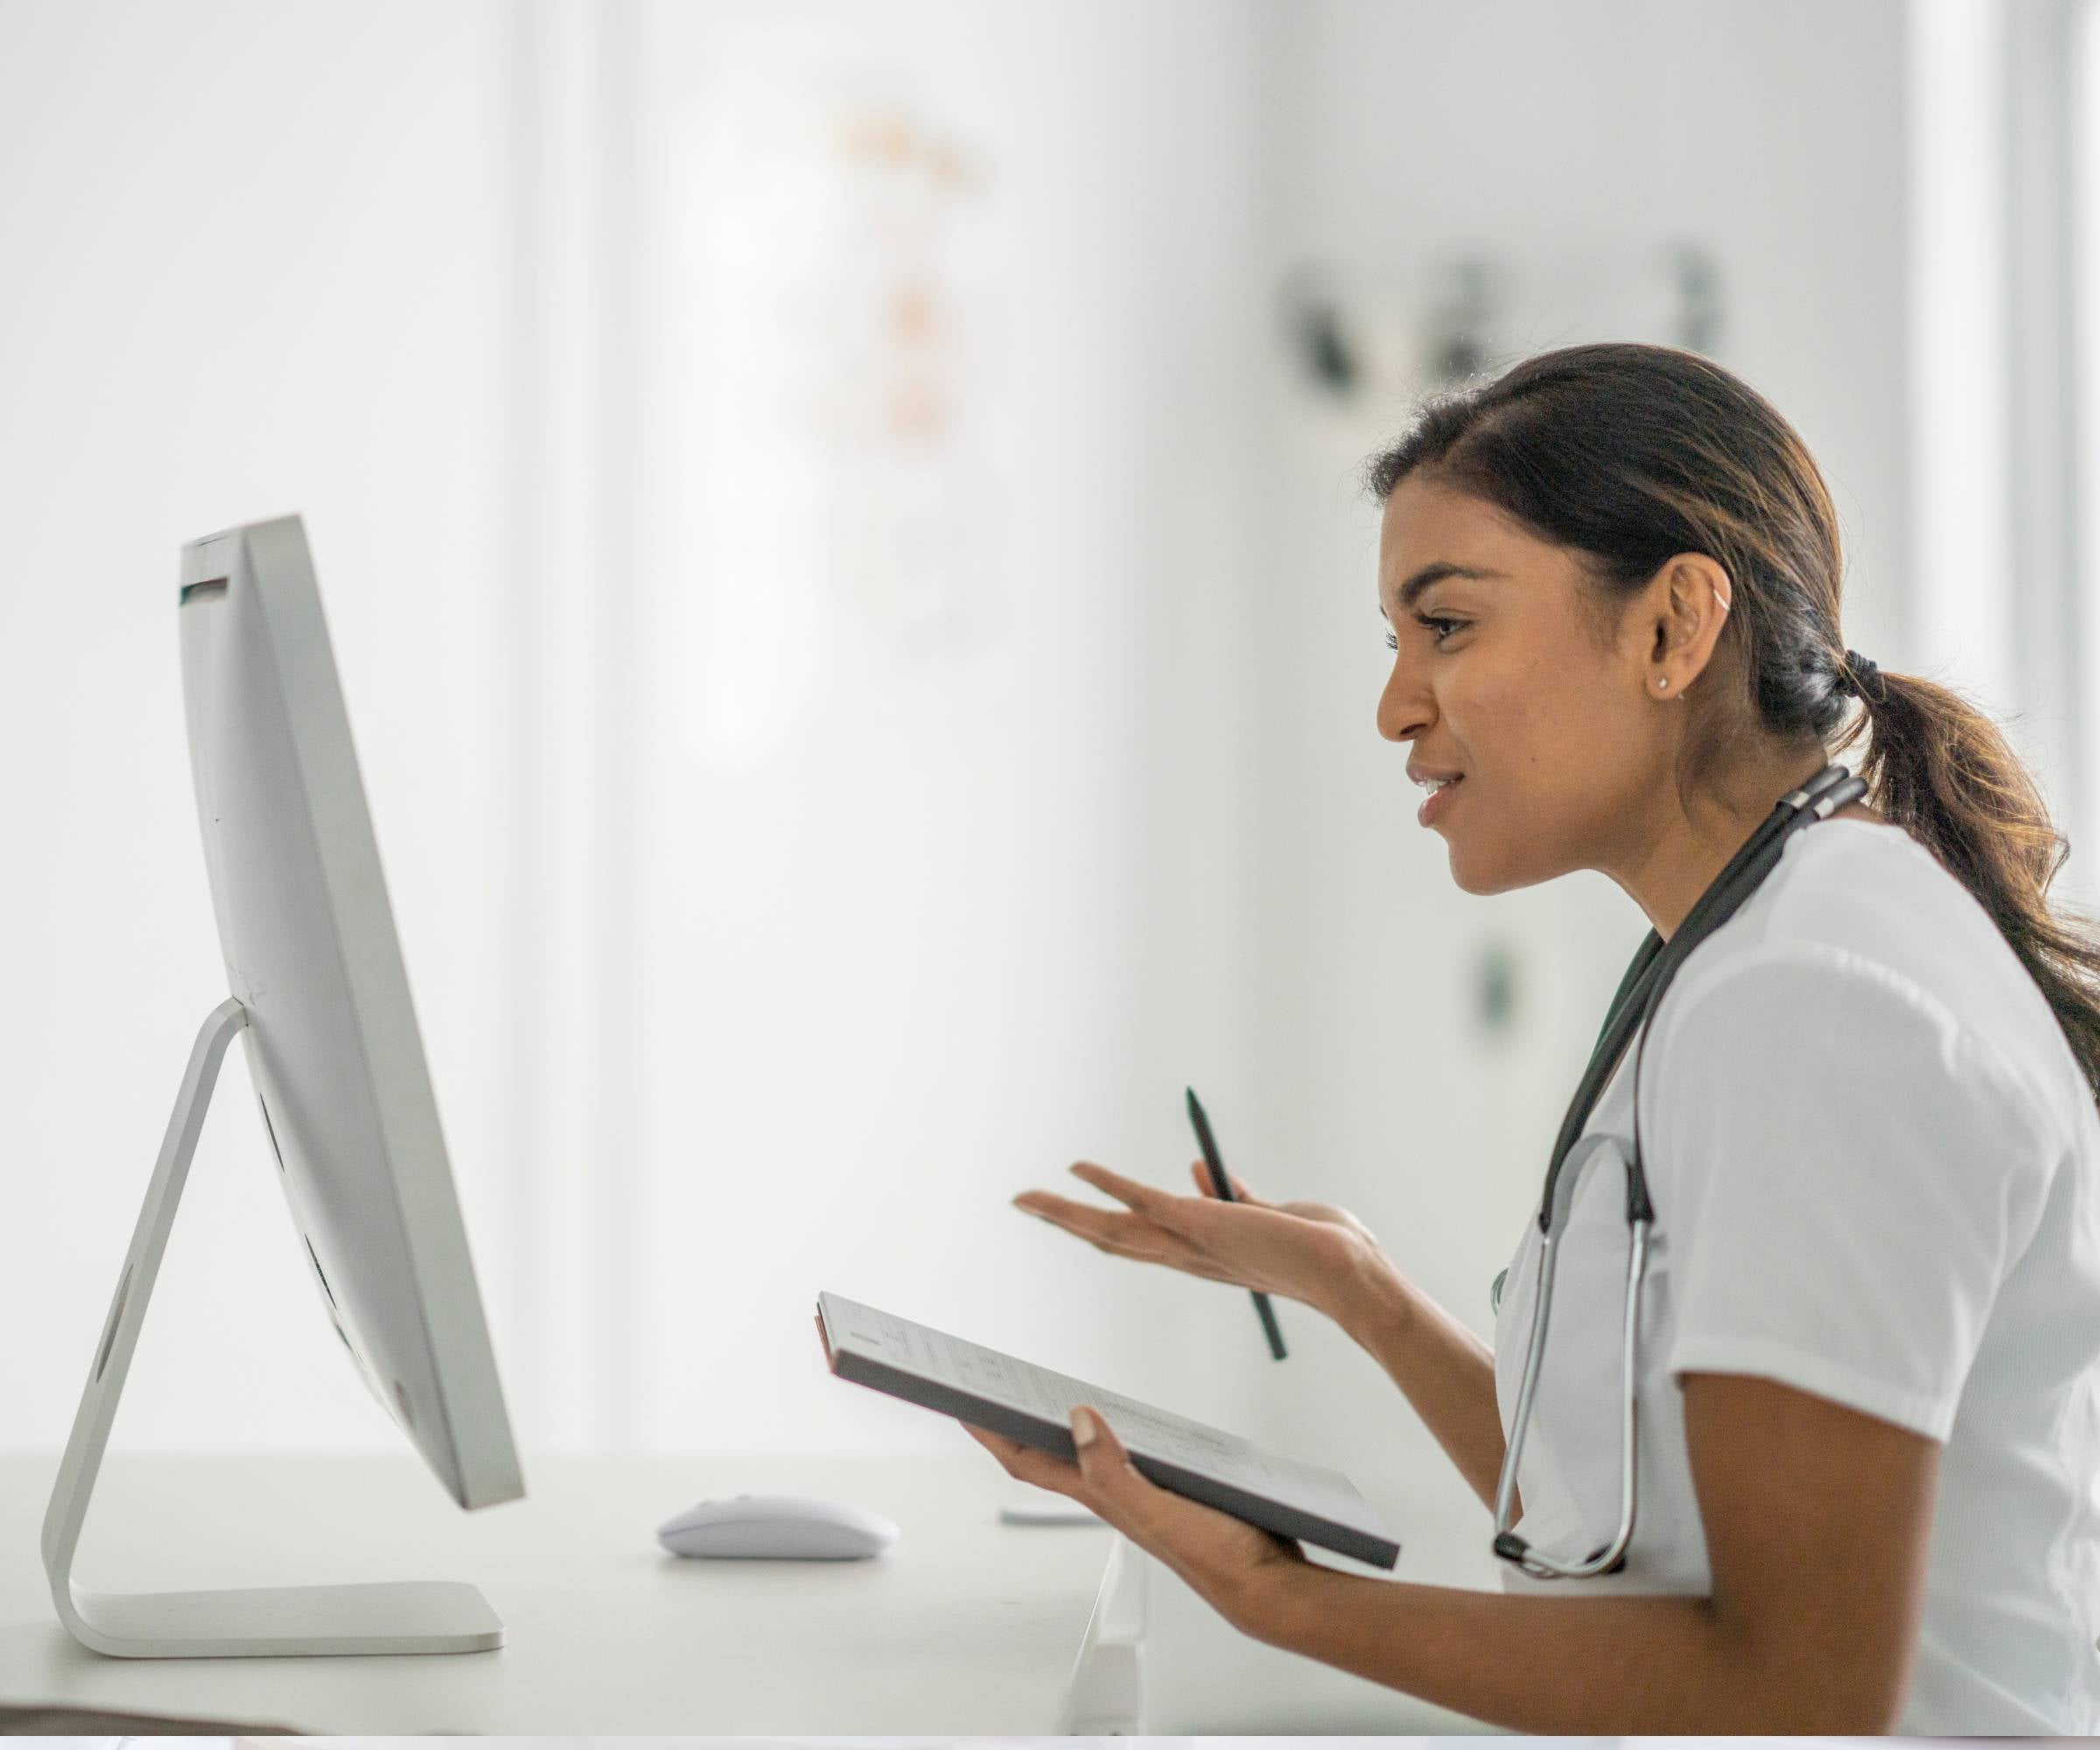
(1875,1167)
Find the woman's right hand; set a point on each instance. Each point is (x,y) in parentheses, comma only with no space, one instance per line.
(1310,1252)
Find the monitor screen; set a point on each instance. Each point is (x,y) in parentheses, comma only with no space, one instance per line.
(331,1041)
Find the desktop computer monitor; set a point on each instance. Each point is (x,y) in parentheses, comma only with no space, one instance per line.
(333,1048)
(321,997)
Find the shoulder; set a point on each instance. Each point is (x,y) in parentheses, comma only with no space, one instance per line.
(1862,956)
(1799,1079)
(1783,1005)
(1872,888)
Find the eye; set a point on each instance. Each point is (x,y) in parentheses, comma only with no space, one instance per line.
(1439,625)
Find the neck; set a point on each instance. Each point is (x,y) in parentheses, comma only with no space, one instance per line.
(1679,850)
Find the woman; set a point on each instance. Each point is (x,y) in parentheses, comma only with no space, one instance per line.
(1867,1395)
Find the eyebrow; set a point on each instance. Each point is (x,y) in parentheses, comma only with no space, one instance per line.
(1410,592)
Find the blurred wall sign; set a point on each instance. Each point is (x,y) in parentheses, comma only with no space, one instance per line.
(835,284)
(897,393)
(1496,989)
(1364,343)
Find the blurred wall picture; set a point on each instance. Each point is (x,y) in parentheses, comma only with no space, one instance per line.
(840,311)
(1364,337)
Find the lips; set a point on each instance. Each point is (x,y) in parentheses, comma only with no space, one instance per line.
(1438,801)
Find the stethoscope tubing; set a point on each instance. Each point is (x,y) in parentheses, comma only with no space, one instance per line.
(1508,1544)
(1639,994)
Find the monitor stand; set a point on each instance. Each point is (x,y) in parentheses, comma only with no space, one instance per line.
(412,1616)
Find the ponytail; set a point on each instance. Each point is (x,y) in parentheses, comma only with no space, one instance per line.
(1942,770)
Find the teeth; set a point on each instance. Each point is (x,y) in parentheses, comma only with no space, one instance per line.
(1432,785)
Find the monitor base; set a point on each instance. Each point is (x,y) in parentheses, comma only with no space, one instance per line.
(414,1616)
(407,1616)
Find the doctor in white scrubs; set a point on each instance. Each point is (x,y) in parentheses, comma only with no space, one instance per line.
(1868,1390)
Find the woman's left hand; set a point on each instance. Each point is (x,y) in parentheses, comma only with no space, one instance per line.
(1225,1561)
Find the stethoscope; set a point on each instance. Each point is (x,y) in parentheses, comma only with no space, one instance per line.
(1632,1006)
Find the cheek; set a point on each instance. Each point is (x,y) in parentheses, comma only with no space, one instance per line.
(1541,740)
(1522,723)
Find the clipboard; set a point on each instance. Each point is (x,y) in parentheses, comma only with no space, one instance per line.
(949,1374)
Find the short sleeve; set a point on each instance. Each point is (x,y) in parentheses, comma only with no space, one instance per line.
(1842,1177)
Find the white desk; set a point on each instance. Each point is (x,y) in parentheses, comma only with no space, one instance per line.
(963,1626)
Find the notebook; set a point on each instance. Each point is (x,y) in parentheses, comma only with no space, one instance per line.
(1034,1405)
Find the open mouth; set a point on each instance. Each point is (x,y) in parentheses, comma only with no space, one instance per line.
(1438,799)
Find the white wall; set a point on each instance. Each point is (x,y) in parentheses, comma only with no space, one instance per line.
(708,1034)
(948,913)
(258,262)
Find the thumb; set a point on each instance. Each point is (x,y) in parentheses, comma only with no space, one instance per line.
(1103,1460)
(1201,1175)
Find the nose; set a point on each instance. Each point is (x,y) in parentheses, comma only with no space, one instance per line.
(1405,708)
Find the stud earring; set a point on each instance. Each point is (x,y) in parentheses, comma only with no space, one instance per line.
(1662,681)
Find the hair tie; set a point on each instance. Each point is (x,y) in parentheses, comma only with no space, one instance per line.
(1862,678)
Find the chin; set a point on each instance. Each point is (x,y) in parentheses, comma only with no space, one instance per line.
(1483,873)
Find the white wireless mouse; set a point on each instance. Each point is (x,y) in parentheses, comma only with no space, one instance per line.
(797,1527)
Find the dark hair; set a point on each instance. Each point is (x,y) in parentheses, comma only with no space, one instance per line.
(1630,454)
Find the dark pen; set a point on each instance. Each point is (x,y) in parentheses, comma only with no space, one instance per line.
(1223,1187)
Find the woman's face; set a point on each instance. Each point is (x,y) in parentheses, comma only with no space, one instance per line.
(1511,680)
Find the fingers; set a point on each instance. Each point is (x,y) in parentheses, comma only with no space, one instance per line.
(1110,1229)
(1145,1199)
(1201,1173)
(1152,1234)
(1181,1233)
(1158,1205)
(1132,1237)
(1184,1217)
(1027,1464)
(1113,1485)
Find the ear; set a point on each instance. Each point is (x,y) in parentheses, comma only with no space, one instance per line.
(1682,613)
